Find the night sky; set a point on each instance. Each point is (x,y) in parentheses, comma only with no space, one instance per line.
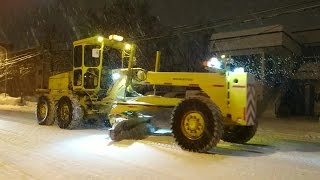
(177,12)
(183,12)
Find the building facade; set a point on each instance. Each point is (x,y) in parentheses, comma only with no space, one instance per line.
(274,55)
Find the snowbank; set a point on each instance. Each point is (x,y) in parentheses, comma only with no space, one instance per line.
(7,100)
(28,104)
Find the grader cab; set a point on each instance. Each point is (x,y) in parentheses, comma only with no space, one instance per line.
(101,87)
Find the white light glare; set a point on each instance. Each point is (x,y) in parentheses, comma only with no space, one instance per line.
(214,63)
(239,70)
(115,76)
(127,47)
(100,38)
(116,37)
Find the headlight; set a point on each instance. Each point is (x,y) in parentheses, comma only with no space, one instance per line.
(127,47)
(115,37)
(239,70)
(100,38)
(214,63)
(115,76)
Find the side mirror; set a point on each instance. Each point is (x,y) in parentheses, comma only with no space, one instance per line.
(95,53)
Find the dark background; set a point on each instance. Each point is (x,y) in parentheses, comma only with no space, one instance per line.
(180,12)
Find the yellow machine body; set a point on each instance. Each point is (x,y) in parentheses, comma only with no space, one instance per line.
(104,86)
(233,93)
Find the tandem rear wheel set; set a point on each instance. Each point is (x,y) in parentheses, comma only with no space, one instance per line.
(196,123)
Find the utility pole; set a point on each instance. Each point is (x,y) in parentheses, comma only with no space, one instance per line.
(5,71)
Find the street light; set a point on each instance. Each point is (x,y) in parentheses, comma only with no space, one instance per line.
(5,71)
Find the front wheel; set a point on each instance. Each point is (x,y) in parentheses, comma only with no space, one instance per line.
(196,124)
(69,113)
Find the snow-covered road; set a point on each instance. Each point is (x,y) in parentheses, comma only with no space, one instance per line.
(29,151)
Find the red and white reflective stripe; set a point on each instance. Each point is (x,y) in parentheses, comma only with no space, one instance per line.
(251,106)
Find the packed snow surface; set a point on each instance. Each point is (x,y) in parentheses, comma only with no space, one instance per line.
(282,149)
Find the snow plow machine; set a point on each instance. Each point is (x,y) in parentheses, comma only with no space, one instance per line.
(102,87)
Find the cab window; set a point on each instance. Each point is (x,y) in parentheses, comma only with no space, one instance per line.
(90,61)
(77,77)
(91,78)
(77,56)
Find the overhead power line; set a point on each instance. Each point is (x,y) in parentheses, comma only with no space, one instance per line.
(254,14)
(237,20)
(263,17)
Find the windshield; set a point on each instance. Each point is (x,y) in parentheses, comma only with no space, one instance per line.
(112,58)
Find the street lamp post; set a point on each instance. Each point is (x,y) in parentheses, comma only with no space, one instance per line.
(5,64)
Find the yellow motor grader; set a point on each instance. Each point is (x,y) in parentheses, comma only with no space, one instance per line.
(102,87)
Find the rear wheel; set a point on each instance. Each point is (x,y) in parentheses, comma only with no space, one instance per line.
(69,113)
(45,110)
(197,124)
(239,134)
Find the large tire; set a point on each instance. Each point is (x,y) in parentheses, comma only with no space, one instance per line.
(69,113)
(239,134)
(45,110)
(196,124)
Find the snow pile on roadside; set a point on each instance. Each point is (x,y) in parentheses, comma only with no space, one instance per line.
(15,104)
(7,100)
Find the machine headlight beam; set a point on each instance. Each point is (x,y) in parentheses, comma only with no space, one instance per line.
(127,46)
(239,70)
(116,76)
(100,39)
(116,37)
(214,63)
